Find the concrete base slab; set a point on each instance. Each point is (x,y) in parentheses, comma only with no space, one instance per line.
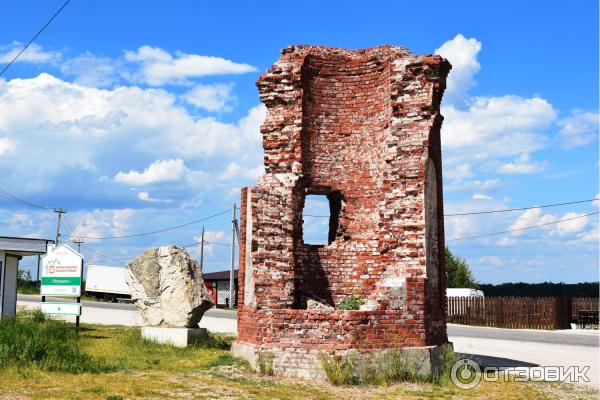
(178,337)
(307,364)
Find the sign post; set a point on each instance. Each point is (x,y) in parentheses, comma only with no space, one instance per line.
(62,273)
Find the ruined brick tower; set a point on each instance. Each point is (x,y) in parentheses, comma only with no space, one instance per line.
(363,128)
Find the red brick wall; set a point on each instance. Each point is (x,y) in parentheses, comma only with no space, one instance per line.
(361,125)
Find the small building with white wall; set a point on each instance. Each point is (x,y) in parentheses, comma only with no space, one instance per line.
(12,249)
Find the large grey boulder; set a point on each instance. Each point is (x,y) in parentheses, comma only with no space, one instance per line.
(167,287)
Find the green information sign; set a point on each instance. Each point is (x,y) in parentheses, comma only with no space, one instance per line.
(61,281)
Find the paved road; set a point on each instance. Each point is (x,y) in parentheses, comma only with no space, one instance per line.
(566,337)
(214,313)
(503,348)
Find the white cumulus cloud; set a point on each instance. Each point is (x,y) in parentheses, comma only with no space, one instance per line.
(462,54)
(159,67)
(93,71)
(459,172)
(33,54)
(234,170)
(145,196)
(578,129)
(567,224)
(102,223)
(158,171)
(212,97)
(211,240)
(493,127)
(571,222)
(522,165)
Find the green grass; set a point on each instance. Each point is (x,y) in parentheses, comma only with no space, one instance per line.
(140,369)
(32,340)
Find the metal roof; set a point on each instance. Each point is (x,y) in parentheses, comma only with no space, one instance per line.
(219,276)
(24,246)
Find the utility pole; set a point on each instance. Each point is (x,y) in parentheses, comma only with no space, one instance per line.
(78,243)
(60,212)
(37,277)
(232,269)
(202,250)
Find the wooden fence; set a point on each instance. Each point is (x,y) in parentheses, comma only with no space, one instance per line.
(583,304)
(517,312)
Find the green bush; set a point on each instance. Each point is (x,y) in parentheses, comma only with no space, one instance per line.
(24,283)
(31,339)
(350,303)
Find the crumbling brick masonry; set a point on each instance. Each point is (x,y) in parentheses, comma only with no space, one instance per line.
(363,128)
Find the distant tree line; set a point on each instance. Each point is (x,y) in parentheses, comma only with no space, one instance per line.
(460,276)
(545,289)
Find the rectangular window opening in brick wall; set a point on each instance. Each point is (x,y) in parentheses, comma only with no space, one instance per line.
(315,215)
(321,216)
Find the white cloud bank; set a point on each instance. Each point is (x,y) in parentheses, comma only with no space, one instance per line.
(147,65)
(158,67)
(49,126)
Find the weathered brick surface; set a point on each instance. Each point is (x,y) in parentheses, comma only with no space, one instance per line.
(363,128)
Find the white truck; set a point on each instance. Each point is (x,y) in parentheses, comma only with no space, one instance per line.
(463,292)
(107,283)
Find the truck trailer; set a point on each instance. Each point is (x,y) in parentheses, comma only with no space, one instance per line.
(107,283)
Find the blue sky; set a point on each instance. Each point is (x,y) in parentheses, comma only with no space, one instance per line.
(141,115)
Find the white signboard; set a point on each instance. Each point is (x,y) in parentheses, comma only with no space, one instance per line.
(61,272)
(61,308)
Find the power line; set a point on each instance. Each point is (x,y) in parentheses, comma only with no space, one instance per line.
(34,37)
(493,211)
(131,258)
(521,208)
(153,232)
(100,254)
(520,229)
(71,224)
(11,197)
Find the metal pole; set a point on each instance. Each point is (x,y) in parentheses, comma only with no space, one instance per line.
(79,298)
(78,243)
(202,251)
(60,212)
(231,270)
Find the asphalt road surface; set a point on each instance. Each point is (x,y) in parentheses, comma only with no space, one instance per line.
(566,337)
(215,312)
